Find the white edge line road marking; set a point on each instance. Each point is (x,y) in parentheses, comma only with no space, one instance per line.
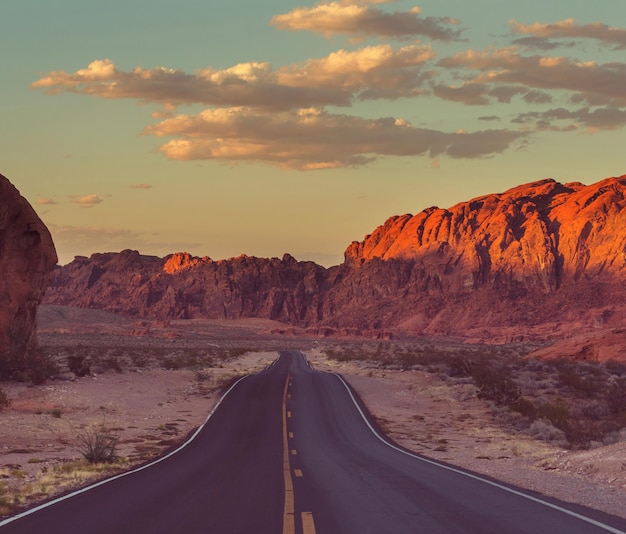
(476,477)
(121,475)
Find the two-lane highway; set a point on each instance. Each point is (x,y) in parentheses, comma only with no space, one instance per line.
(291,450)
(352,481)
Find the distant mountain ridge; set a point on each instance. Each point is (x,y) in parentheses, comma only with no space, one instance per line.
(539,253)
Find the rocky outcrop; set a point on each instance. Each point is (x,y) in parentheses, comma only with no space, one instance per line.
(539,252)
(535,254)
(27,258)
(185,287)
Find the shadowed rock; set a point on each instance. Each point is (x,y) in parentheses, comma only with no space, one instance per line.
(27,258)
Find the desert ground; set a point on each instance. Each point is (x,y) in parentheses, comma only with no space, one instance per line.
(150,384)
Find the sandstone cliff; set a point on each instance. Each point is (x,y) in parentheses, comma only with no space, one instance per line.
(541,252)
(538,254)
(27,258)
(184,287)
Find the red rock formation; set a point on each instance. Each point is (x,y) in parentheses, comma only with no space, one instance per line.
(535,254)
(529,255)
(27,257)
(181,286)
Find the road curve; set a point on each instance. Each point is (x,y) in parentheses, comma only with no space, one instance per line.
(354,481)
(291,450)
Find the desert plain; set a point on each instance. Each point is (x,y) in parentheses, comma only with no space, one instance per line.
(150,384)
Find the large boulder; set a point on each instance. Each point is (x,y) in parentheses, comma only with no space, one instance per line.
(27,259)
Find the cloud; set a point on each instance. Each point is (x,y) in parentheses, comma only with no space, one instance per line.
(541,33)
(561,119)
(597,84)
(140,186)
(359,20)
(314,139)
(45,201)
(87,201)
(281,115)
(370,72)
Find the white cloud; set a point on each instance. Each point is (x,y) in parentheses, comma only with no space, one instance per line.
(357,19)
(540,33)
(45,201)
(87,201)
(314,139)
(370,72)
(597,84)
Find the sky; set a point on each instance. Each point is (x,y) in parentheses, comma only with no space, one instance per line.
(264,128)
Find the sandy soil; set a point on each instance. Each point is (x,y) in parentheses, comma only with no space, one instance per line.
(152,410)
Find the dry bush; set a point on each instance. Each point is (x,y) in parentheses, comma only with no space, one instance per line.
(5,402)
(546,431)
(78,364)
(98,446)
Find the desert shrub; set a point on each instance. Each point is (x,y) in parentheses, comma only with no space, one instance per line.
(78,364)
(345,355)
(616,368)
(461,366)
(496,385)
(616,397)
(236,352)
(98,446)
(112,363)
(557,412)
(5,402)
(172,364)
(28,366)
(408,359)
(581,433)
(546,431)
(572,378)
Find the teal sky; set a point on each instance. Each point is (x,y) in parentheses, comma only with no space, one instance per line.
(260,128)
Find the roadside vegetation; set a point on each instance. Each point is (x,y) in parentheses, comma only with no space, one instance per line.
(86,360)
(575,404)
(17,492)
(103,449)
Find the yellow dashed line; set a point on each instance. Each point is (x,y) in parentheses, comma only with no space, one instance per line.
(298,473)
(308,525)
(289,523)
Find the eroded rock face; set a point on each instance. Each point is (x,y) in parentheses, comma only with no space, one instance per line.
(539,253)
(184,287)
(27,258)
(541,235)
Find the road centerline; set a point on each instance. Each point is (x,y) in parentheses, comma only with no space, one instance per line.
(289,507)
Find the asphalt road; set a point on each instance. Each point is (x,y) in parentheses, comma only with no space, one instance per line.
(290,450)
